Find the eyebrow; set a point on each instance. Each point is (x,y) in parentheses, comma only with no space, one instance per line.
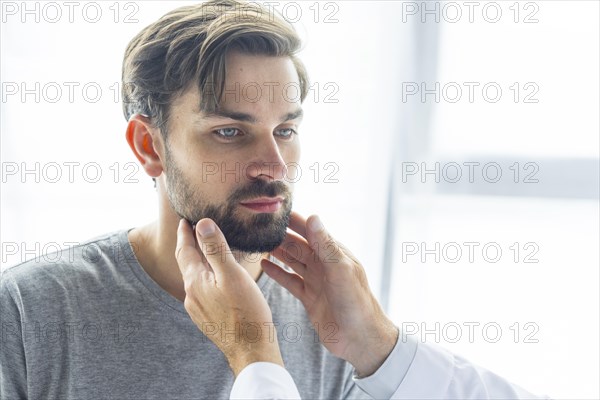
(243,117)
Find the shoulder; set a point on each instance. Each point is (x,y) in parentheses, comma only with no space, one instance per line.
(81,261)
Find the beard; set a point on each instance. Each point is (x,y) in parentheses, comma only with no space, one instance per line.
(256,233)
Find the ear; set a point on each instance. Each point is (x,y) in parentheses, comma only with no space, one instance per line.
(144,140)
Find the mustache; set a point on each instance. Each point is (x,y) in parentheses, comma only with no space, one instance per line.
(260,188)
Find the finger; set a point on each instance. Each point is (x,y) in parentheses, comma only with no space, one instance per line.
(188,258)
(326,248)
(297,223)
(285,258)
(214,247)
(311,274)
(297,248)
(292,282)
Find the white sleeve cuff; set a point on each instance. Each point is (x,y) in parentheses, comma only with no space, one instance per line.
(264,380)
(385,381)
(429,375)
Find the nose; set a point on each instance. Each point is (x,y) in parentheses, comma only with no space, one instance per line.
(268,163)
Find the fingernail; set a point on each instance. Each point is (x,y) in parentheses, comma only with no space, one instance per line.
(316,225)
(205,228)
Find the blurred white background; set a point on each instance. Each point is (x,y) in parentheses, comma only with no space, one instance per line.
(399,89)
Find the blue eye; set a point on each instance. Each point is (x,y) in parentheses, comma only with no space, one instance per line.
(286,133)
(227,132)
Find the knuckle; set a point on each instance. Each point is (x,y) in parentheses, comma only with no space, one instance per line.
(188,304)
(189,286)
(210,248)
(178,251)
(207,276)
(330,242)
(359,273)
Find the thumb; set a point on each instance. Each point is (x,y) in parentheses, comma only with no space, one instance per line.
(214,246)
(188,258)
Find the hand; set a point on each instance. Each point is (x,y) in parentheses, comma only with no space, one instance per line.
(222,297)
(332,285)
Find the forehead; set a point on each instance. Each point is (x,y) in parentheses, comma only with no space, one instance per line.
(254,84)
(244,68)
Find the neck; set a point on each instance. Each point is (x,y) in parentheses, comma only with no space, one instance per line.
(154,247)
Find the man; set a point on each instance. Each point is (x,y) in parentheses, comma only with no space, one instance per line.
(181,308)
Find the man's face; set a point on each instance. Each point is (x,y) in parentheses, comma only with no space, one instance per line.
(214,163)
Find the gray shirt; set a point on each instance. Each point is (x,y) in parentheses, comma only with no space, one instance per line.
(89,323)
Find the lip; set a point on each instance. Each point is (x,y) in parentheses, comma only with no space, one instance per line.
(264,204)
(263,200)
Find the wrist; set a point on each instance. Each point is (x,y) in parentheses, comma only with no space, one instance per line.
(374,349)
(243,356)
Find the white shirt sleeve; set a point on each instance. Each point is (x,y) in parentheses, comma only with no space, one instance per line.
(422,371)
(264,380)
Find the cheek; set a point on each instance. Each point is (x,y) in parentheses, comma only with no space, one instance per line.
(220,178)
(291,152)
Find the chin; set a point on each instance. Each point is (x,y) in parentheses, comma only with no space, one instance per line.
(263,234)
